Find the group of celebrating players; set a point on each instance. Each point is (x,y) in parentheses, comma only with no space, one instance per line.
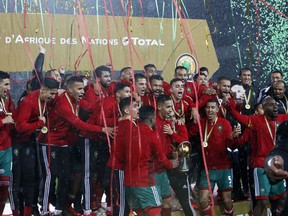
(71,139)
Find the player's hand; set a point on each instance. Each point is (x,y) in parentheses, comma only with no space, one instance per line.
(209,91)
(110,131)
(274,169)
(97,88)
(194,115)
(181,121)
(168,129)
(42,118)
(109,65)
(8,120)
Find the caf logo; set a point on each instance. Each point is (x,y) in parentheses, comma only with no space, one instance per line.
(188,61)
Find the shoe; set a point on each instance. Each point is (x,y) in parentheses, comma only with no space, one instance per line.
(72,211)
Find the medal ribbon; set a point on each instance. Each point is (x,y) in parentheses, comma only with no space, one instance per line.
(41,112)
(182,109)
(207,135)
(270,130)
(72,108)
(4,108)
(220,106)
(247,100)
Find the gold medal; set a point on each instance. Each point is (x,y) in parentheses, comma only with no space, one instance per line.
(247,106)
(205,144)
(44,129)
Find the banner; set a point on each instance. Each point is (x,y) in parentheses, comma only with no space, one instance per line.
(157,41)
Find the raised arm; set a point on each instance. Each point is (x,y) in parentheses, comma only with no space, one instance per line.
(37,70)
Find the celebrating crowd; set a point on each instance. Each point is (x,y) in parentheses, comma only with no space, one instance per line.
(71,139)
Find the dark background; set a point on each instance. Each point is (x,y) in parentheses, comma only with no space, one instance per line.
(235,39)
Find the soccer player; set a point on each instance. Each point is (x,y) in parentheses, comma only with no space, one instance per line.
(156,82)
(218,136)
(107,113)
(265,128)
(6,124)
(276,164)
(126,75)
(55,145)
(164,111)
(31,116)
(142,149)
(103,86)
(150,70)
(182,104)
(140,87)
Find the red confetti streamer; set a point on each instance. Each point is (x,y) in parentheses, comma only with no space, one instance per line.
(273,9)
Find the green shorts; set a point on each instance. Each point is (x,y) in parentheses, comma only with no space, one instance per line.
(223,178)
(163,184)
(6,162)
(263,188)
(143,197)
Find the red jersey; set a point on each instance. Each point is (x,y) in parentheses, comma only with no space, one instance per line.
(183,108)
(27,120)
(141,149)
(265,130)
(111,112)
(216,154)
(190,89)
(166,140)
(180,134)
(90,94)
(63,123)
(148,99)
(108,110)
(166,88)
(124,127)
(6,129)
